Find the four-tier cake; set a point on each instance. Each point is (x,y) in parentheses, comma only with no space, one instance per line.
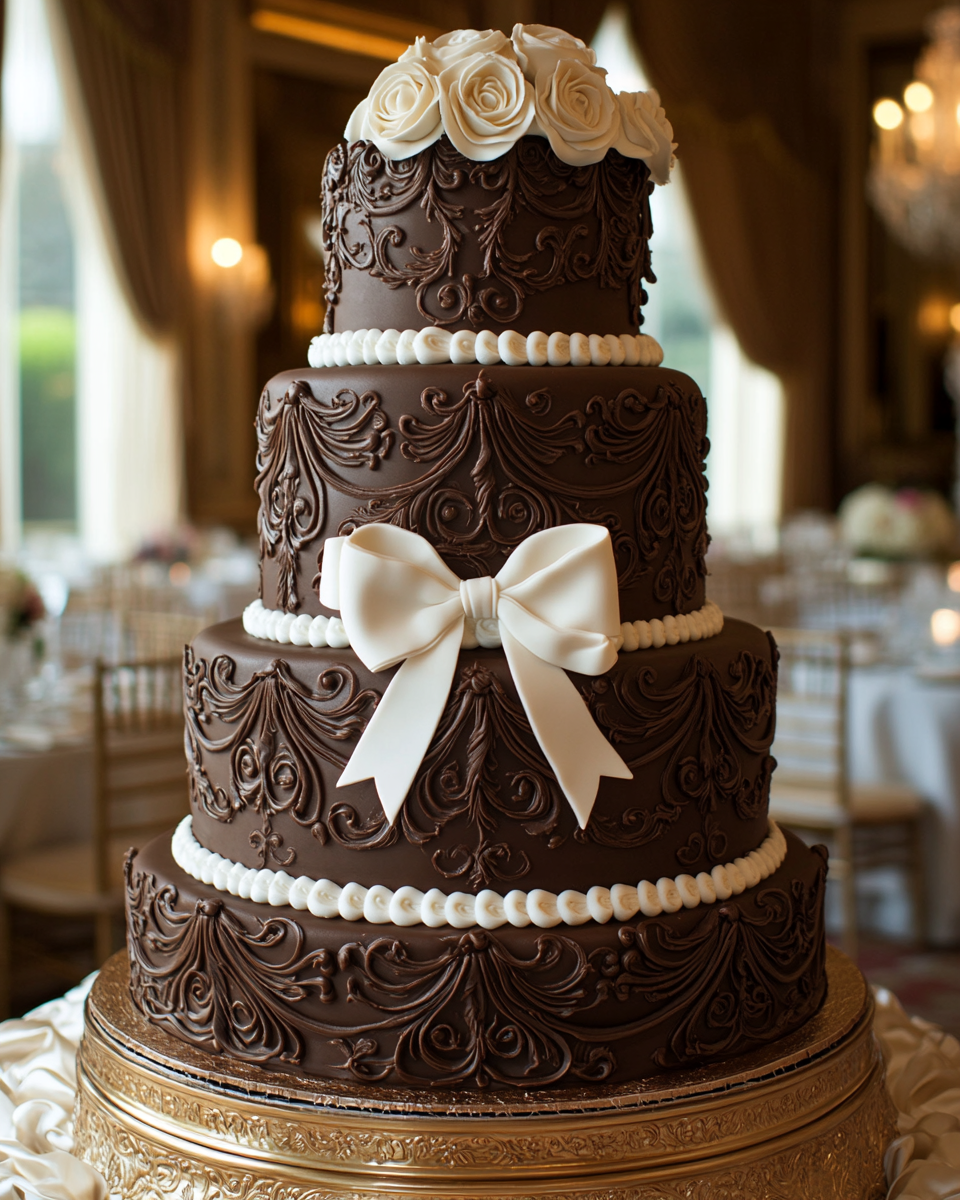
(479,785)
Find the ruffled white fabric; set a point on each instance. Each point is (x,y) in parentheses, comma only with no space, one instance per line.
(923,1078)
(38,1089)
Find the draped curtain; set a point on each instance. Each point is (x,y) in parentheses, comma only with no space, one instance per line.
(128,55)
(121,63)
(740,80)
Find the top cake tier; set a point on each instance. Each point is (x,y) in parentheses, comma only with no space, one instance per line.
(494,183)
(526,242)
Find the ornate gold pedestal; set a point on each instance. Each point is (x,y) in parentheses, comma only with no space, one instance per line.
(807,1118)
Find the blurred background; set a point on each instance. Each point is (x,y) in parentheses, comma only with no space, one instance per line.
(160,173)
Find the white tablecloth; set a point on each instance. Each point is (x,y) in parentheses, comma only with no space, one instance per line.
(908,729)
(46,796)
(38,1086)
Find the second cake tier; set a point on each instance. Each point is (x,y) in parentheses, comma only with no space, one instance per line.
(476,459)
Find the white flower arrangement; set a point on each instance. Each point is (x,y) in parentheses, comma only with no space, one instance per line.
(877,521)
(485,91)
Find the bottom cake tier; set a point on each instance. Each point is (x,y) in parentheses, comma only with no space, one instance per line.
(511,1008)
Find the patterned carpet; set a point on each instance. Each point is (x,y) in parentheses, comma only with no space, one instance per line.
(926,982)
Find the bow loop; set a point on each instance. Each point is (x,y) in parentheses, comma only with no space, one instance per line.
(556,601)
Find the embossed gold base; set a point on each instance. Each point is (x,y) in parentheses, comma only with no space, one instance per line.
(807,1117)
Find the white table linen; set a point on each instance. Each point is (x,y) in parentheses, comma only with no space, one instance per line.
(906,729)
(46,796)
(38,1088)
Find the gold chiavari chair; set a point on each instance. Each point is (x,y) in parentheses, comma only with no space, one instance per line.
(869,825)
(140,789)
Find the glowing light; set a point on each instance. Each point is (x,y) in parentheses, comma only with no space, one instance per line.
(953,577)
(945,626)
(933,316)
(955,317)
(888,114)
(226,252)
(917,97)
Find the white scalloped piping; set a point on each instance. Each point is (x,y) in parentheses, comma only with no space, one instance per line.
(359,347)
(408,906)
(274,625)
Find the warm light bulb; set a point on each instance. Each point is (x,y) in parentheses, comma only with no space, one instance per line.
(945,626)
(888,114)
(226,252)
(917,97)
(955,325)
(953,577)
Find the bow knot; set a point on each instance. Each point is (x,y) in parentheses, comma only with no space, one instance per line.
(556,603)
(479,597)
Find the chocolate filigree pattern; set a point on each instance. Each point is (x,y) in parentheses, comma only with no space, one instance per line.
(668,435)
(507,449)
(703,724)
(596,226)
(463,775)
(296,435)
(226,985)
(277,733)
(471,1008)
(765,970)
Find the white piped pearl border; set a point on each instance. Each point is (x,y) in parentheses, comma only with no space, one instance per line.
(389,347)
(409,906)
(274,625)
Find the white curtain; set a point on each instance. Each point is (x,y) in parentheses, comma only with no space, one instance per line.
(128,388)
(745,464)
(129,429)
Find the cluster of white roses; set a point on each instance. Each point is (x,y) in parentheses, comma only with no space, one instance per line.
(485,91)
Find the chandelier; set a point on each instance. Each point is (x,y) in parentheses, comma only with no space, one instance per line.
(914,179)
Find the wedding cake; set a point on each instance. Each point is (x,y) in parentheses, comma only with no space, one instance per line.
(479,785)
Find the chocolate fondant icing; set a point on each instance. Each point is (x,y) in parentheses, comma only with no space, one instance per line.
(524,242)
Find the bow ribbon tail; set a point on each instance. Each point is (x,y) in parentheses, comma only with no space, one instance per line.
(561,722)
(401,729)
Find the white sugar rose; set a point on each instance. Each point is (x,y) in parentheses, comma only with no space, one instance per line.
(486,105)
(577,112)
(401,115)
(541,47)
(646,133)
(454,47)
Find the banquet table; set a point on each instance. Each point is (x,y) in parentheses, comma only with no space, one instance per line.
(46,796)
(38,1087)
(906,728)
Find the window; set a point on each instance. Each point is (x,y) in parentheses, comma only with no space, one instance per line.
(90,443)
(745,402)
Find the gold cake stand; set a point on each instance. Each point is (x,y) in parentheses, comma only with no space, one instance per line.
(806,1118)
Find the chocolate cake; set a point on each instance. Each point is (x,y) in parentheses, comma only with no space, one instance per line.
(550,860)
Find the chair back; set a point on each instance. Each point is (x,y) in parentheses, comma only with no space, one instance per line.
(811,737)
(157,635)
(140,771)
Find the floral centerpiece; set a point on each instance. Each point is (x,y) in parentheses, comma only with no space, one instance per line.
(877,521)
(21,606)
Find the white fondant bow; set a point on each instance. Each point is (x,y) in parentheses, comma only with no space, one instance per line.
(556,601)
